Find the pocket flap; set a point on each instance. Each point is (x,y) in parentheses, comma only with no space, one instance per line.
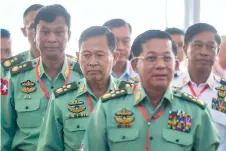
(177,137)
(123,134)
(79,124)
(27,105)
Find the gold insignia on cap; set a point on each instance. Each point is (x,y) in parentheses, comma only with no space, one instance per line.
(7,63)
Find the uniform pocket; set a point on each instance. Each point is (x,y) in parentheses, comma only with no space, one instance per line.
(177,137)
(28,115)
(74,130)
(122,134)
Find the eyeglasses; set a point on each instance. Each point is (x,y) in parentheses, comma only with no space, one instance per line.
(154,58)
(209,46)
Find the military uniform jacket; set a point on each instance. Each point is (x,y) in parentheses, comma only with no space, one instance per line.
(15,60)
(24,107)
(68,114)
(118,124)
(213,93)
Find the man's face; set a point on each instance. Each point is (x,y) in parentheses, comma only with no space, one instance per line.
(52,37)
(156,65)
(179,40)
(5,48)
(201,51)
(27,30)
(123,37)
(95,59)
(222,54)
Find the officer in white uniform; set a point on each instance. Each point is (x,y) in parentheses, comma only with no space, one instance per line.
(201,46)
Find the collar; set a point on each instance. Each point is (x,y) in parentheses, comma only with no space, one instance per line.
(126,74)
(186,79)
(84,87)
(140,95)
(29,56)
(64,71)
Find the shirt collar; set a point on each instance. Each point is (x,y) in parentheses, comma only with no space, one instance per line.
(186,79)
(84,87)
(140,95)
(29,56)
(64,71)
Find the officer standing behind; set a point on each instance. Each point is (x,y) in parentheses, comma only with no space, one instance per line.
(6,44)
(151,116)
(122,31)
(201,45)
(68,114)
(32,82)
(27,30)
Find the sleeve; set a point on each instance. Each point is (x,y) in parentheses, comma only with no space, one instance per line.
(207,137)
(8,114)
(51,135)
(95,137)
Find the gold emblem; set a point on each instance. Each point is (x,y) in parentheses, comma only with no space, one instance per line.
(123,118)
(81,88)
(184,80)
(69,86)
(7,63)
(28,86)
(14,69)
(221,92)
(59,90)
(137,96)
(106,96)
(75,107)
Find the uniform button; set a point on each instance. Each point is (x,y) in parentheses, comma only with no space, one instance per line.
(123,137)
(78,126)
(71,64)
(151,138)
(51,87)
(177,140)
(26,107)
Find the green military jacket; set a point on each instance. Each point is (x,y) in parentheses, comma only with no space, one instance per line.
(18,59)
(119,124)
(25,105)
(15,60)
(68,114)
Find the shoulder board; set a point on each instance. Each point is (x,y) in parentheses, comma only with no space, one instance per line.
(76,67)
(223,82)
(113,94)
(125,84)
(21,68)
(193,99)
(12,61)
(75,59)
(65,89)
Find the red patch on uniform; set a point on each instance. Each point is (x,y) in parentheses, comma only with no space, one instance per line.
(4,87)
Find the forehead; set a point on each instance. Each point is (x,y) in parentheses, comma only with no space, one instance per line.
(177,37)
(157,46)
(205,37)
(121,32)
(29,18)
(59,22)
(98,43)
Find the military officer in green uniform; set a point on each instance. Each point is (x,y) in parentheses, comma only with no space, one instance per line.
(151,116)
(68,114)
(31,83)
(27,30)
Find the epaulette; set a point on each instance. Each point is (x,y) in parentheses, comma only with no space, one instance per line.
(65,89)
(125,84)
(77,67)
(12,61)
(223,82)
(75,59)
(193,99)
(21,68)
(113,94)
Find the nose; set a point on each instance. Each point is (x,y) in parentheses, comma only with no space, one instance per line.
(120,45)
(52,38)
(93,61)
(160,64)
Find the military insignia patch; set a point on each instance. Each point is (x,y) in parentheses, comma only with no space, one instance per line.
(75,107)
(114,94)
(123,118)
(180,121)
(4,87)
(219,103)
(28,87)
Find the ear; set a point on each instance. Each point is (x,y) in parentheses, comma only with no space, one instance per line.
(23,31)
(69,35)
(115,57)
(34,35)
(77,55)
(133,63)
(177,65)
(185,48)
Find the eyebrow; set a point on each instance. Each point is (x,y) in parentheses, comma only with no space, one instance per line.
(152,52)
